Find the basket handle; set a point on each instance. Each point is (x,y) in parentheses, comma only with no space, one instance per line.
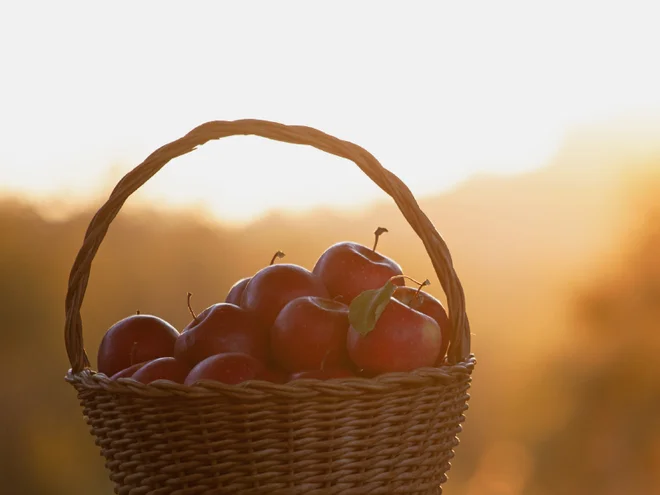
(459,346)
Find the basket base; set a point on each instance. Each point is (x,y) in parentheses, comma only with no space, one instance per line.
(347,437)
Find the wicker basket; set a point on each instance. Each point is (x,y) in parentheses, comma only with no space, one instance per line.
(390,434)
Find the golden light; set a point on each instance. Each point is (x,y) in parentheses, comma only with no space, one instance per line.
(438,93)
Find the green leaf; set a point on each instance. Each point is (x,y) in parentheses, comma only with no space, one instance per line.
(365,309)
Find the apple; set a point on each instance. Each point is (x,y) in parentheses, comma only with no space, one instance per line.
(236,292)
(165,368)
(324,374)
(128,372)
(135,339)
(387,335)
(221,328)
(230,368)
(308,333)
(272,287)
(366,374)
(272,374)
(430,306)
(348,268)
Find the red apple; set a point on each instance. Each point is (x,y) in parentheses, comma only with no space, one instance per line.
(236,292)
(402,339)
(128,372)
(165,368)
(310,332)
(230,368)
(135,339)
(272,287)
(273,375)
(324,374)
(218,329)
(430,306)
(347,269)
(366,374)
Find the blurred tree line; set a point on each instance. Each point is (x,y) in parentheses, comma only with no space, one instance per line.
(577,413)
(609,442)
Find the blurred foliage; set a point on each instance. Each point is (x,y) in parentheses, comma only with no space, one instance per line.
(610,442)
(565,315)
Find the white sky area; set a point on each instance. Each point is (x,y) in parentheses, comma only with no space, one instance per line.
(437,91)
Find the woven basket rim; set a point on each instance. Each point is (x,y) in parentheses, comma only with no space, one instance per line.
(305,387)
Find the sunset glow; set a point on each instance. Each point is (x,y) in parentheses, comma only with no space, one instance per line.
(529,134)
(438,93)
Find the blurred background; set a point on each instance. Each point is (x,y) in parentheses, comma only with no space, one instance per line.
(529,132)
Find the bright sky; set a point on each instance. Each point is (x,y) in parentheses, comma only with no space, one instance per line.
(437,91)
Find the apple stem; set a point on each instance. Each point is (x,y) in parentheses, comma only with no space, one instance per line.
(137,312)
(377,234)
(190,308)
(278,254)
(421,284)
(419,289)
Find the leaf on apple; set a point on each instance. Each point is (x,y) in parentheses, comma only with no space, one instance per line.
(366,308)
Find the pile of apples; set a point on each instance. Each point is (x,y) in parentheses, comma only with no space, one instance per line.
(352,315)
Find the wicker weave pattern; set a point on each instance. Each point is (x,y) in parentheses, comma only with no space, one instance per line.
(391,434)
(314,437)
